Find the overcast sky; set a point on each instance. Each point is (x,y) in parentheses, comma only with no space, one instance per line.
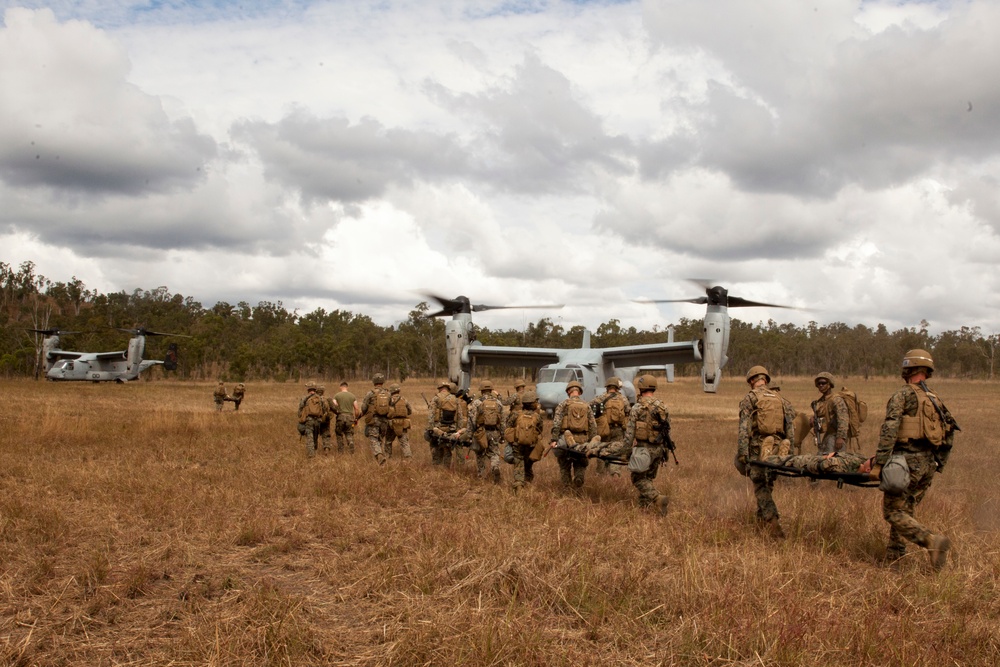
(836,155)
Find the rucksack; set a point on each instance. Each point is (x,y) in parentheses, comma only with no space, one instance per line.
(315,406)
(381,407)
(857,411)
(397,408)
(448,407)
(577,417)
(489,412)
(525,428)
(769,415)
(614,408)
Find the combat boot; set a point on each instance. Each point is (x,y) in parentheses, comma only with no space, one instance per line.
(661,503)
(380,458)
(937,550)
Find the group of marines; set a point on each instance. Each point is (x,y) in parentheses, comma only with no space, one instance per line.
(916,438)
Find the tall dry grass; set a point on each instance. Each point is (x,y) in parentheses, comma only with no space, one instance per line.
(139,527)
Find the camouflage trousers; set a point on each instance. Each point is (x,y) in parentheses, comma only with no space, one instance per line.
(344,429)
(441,447)
(616,434)
(572,465)
(324,434)
(643,481)
(404,443)
(218,404)
(523,473)
(490,454)
(763,486)
(375,431)
(312,429)
(898,508)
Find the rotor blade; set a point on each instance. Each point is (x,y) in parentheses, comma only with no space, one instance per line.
(480,307)
(737,302)
(699,300)
(146,332)
(54,332)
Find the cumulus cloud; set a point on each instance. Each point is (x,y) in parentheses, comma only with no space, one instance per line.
(71,121)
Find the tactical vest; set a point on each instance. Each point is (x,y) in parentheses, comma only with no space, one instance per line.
(447,409)
(576,417)
(926,424)
(769,413)
(397,408)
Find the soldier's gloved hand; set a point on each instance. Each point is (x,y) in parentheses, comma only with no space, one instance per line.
(740,462)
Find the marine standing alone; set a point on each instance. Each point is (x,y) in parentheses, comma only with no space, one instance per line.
(766,429)
(918,433)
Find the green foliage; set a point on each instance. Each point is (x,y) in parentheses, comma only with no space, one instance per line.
(267,341)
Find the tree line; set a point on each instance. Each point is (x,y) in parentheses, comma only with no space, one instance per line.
(266,341)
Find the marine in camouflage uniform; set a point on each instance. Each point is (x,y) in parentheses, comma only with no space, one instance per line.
(376,426)
(919,427)
(324,426)
(238,393)
(399,426)
(822,463)
(310,424)
(831,418)
(572,464)
(486,439)
(444,428)
(220,396)
(752,445)
(616,431)
(347,418)
(523,462)
(513,402)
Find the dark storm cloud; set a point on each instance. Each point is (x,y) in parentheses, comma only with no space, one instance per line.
(330,158)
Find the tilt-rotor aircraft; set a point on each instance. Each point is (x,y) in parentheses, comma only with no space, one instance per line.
(119,366)
(592,366)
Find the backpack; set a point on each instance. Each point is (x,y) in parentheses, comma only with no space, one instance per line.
(576,417)
(856,410)
(397,408)
(525,428)
(769,415)
(614,408)
(449,408)
(489,412)
(381,403)
(315,406)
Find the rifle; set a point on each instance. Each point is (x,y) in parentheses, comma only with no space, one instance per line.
(426,402)
(841,478)
(663,438)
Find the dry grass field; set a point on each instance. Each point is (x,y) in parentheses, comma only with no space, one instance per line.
(140,527)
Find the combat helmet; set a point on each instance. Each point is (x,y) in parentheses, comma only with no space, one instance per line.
(518,384)
(444,384)
(485,385)
(824,376)
(757,370)
(310,386)
(529,397)
(572,385)
(394,388)
(645,383)
(321,389)
(613,381)
(917,359)
(378,379)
